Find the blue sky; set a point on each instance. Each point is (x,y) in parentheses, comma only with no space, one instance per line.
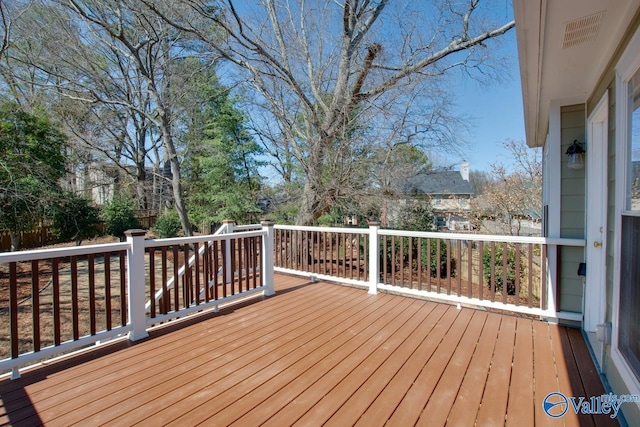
(496,109)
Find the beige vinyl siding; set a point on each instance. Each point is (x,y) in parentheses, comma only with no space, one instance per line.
(572,213)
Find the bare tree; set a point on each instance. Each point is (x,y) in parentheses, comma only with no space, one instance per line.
(122,62)
(512,195)
(5,28)
(323,69)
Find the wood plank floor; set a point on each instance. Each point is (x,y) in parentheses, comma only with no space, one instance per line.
(316,354)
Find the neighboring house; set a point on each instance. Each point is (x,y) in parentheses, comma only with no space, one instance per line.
(101,180)
(450,194)
(94,179)
(580,70)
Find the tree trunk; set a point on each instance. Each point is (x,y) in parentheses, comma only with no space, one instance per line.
(141,184)
(176,184)
(384,213)
(15,240)
(311,205)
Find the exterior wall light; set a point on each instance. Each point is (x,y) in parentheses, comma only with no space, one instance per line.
(576,152)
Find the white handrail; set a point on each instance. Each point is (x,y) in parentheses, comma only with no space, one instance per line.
(324,229)
(247,227)
(32,255)
(484,237)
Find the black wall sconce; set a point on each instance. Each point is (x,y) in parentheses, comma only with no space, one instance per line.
(576,152)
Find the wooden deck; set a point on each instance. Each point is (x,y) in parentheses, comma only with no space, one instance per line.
(318,353)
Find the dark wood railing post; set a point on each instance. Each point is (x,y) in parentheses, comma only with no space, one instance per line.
(267,257)
(374,256)
(136,285)
(228,225)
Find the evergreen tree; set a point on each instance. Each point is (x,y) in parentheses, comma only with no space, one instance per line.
(222,165)
(31,166)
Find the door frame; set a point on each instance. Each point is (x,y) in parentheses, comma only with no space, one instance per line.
(596,215)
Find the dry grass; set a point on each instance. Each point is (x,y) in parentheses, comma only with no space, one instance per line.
(45,308)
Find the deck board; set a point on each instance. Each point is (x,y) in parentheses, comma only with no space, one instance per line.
(588,373)
(447,389)
(520,407)
(359,402)
(350,379)
(316,353)
(465,408)
(390,398)
(570,383)
(299,376)
(493,407)
(341,363)
(209,375)
(545,373)
(421,390)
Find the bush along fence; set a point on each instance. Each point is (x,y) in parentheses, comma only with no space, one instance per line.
(43,235)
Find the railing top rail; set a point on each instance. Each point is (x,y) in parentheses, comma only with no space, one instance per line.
(484,237)
(561,241)
(247,227)
(324,229)
(31,255)
(153,243)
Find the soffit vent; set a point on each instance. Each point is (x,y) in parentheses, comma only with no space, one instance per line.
(582,30)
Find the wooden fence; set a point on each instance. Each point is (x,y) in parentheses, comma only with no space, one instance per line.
(43,235)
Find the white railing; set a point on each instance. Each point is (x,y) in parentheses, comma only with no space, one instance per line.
(228,262)
(227,227)
(325,253)
(133,285)
(96,293)
(503,272)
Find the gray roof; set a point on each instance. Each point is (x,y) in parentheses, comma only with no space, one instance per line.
(438,182)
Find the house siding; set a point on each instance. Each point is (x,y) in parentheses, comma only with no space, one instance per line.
(607,83)
(572,213)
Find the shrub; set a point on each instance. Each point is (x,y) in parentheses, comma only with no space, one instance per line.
(429,255)
(497,265)
(418,216)
(434,260)
(167,225)
(119,216)
(74,218)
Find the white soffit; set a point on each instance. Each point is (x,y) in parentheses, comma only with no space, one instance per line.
(564,46)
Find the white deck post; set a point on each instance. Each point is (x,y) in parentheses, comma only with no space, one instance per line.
(374,256)
(136,285)
(229,224)
(267,257)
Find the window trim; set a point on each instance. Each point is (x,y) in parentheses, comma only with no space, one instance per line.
(626,67)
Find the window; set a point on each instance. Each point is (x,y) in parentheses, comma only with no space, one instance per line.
(629,331)
(632,202)
(629,308)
